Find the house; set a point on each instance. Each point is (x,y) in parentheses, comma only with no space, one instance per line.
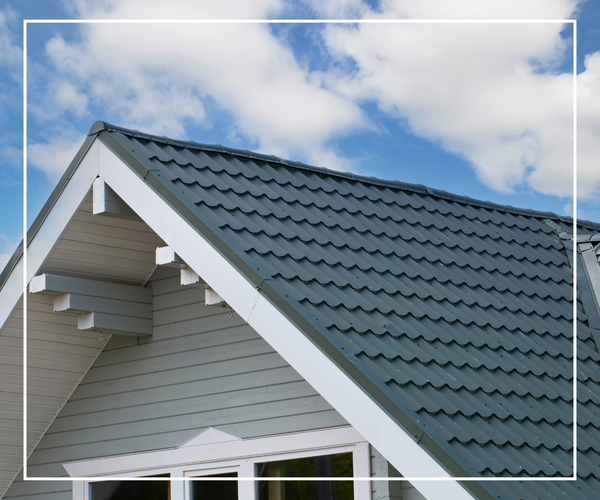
(195,310)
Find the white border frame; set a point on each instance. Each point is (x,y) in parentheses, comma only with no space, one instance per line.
(199,458)
(444,477)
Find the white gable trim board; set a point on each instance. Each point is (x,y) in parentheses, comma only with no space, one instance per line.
(50,231)
(215,452)
(372,422)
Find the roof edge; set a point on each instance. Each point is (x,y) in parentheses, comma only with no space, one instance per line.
(41,217)
(404,186)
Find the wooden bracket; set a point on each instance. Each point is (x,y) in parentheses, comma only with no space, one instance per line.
(107,202)
(101,306)
(166,256)
(212,298)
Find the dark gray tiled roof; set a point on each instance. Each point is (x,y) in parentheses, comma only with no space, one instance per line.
(459,312)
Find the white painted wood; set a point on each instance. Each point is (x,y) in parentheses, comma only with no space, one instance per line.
(79,489)
(314,443)
(49,233)
(114,324)
(165,256)
(178,487)
(247,489)
(107,203)
(212,298)
(351,402)
(38,285)
(189,276)
(361,464)
(210,436)
(245,467)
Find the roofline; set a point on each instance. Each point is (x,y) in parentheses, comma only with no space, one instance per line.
(392,184)
(41,217)
(291,310)
(99,126)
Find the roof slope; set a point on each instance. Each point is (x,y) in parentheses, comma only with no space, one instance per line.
(456,313)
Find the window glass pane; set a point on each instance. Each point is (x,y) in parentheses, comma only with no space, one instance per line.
(131,490)
(215,490)
(325,466)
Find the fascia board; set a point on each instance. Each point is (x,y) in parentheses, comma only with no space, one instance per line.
(51,223)
(248,293)
(41,217)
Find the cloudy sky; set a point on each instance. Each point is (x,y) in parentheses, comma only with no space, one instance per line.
(478,109)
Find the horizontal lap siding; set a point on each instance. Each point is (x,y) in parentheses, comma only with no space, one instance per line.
(203,367)
(58,355)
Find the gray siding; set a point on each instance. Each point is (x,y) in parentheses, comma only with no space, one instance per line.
(58,353)
(203,367)
(58,356)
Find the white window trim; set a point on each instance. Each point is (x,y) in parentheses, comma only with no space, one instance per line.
(213,451)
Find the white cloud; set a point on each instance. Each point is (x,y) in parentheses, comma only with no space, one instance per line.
(478,9)
(339,9)
(175,9)
(588,129)
(12,157)
(11,55)
(488,93)
(54,156)
(69,98)
(156,77)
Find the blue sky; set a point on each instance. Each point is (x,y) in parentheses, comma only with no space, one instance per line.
(478,110)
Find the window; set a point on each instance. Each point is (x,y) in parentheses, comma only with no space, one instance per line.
(130,490)
(218,490)
(218,466)
(339,465)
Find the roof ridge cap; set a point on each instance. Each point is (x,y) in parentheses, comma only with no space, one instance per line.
(392,184)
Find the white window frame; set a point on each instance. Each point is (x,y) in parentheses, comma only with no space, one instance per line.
(214,452)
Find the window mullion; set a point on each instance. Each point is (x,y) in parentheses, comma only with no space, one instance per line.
(79,490)
(246,489)
(362,468)
(178,487)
